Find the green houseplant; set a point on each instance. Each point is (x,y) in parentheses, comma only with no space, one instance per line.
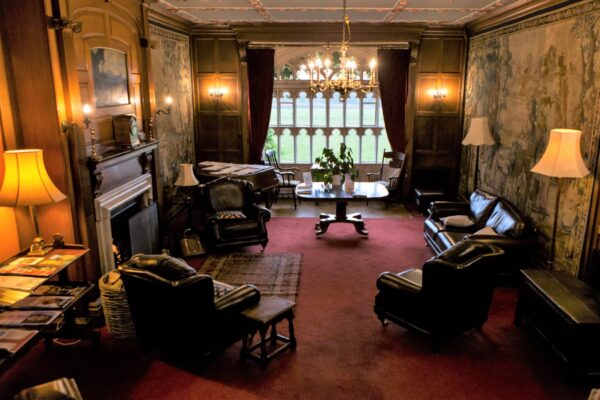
(331,164)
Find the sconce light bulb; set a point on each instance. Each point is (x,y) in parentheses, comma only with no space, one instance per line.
(372,63)
(169,100)
(87,110)
(311,65)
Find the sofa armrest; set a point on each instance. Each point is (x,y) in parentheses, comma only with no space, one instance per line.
(504,242)
(440,209)
(238,300)
(410,280)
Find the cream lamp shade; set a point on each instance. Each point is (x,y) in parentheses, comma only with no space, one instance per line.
(479,132)
(26,182)
(186,176)
(562,157)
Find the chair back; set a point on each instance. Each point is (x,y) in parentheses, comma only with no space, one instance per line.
(271,156)
(226,194)
(392,171)
(459,283)
(171,305)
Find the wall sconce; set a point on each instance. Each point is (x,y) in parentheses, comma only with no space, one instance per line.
(438,94)
(87,110)
(217,93)
(168,102)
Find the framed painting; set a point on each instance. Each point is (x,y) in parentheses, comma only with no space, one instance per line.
(109,71)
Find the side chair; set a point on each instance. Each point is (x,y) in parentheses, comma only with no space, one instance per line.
(285,176)
(389,173)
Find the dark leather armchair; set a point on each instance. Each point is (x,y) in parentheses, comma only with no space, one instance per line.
(174,309)
(449,295)
(232,195)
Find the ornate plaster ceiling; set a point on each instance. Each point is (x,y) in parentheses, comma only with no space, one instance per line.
(427,12)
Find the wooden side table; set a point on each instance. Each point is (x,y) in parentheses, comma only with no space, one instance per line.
(268,313)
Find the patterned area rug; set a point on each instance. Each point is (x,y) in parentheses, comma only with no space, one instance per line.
(273,274)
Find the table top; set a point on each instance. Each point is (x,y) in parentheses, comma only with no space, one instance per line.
(362,191)
(269,308)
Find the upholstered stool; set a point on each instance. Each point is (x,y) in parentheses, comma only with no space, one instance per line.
(424,197)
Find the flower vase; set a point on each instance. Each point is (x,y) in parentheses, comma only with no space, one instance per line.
(337,180)
(348,183)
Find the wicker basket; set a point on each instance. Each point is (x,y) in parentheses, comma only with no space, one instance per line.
(115,305)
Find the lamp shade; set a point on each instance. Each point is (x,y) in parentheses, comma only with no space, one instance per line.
(479,132)
(26,182)
(186,176)
(562,157)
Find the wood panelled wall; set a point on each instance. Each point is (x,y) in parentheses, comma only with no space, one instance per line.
(216,64)
(438,123)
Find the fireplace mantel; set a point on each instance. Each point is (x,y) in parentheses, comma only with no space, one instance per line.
(118,166)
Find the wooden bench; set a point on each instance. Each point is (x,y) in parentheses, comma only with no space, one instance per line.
(566,312)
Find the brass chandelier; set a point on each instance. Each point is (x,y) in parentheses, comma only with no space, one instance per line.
(344,77)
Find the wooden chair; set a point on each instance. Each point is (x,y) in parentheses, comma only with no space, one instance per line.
(285,176)
(390,173)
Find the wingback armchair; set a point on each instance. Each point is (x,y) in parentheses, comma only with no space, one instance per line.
(175,311)
(221,200)
(450,294)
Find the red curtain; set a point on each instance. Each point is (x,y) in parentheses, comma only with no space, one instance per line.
(393,90)
(261,70)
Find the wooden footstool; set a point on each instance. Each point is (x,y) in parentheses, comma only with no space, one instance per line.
(268,313)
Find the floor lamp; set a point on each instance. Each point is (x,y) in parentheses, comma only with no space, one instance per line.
(26,183)
(561,159)
(478,134)
(187,179)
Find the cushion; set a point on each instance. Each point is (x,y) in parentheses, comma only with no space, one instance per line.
(506,220)
(230,215)
(482,204)
(485,231)
(460,221)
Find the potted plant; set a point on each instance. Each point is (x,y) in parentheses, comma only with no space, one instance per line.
(347,167)
(332,166)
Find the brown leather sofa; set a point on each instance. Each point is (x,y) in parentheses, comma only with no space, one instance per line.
(227,195)
(452,293)
(513,234)
(175,311)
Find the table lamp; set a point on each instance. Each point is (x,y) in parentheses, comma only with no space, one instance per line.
(187,178)
(478,134)
(26,183)
(561,159)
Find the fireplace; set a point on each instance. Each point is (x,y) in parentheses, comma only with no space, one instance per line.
(130,201)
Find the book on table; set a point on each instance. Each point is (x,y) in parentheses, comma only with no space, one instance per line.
(20,282)
(59,290)
(37,302)
(12,340)
(304,188)
(8,297)
(28,318)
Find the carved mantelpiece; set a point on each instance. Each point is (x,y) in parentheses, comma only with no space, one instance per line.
(118,166)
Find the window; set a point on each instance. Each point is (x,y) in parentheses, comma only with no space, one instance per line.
(303,123)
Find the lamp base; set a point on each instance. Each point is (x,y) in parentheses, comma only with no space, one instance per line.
(39,248)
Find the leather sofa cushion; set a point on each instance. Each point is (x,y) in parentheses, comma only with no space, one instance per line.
(447,239)
(238,228)
(506,220)
(482,204)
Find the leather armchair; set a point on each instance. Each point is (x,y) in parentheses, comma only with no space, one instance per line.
(452,293)
(174,309)
(232,195)
(513,234)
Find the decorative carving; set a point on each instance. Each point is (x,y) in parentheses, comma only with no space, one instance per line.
(77,27)
(146,162)
(97,179)
(58,23)
(150,129)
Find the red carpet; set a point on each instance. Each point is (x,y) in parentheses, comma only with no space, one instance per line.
(343,351)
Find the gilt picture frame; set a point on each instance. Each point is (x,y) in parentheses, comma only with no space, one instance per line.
(109,72)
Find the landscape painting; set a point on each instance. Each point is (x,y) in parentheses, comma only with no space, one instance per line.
(109,69)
